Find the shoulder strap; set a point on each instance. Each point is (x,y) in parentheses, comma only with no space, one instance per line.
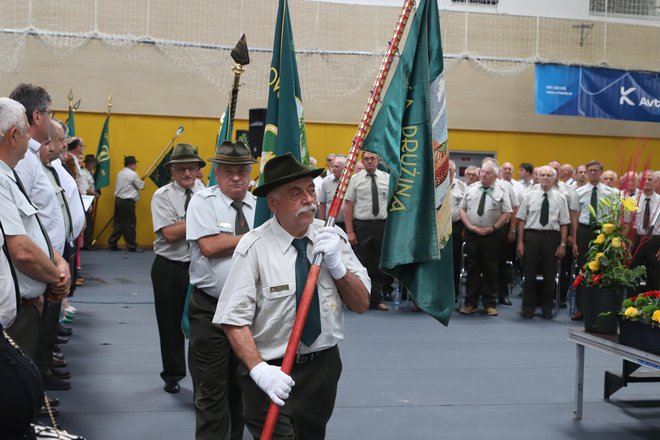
(17,290)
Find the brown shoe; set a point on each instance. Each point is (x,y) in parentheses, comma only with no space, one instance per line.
(467,310)
(491,311)
(577,317)
(380,306)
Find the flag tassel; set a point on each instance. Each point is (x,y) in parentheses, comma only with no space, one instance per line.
(367,116)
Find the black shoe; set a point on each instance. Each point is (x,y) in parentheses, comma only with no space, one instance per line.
(53,383)
(87,248)
(547,315)
(504,300)
(172,386)
(527,314)
(134,249)
(64,331)
(62,340)
(60,374)
(113,246)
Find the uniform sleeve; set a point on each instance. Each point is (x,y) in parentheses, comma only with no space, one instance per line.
(506,203)
(574,204)
(200,219)
(25,171)
(162,212)
(350,191)
(522,210)
(464,203)
(564,217)
(353,265)
(9,214)
(137,182)
(322,196)
(237,303)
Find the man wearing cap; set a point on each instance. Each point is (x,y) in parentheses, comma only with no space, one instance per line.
(217,218)
(258,304)
(127,193)
(169,272)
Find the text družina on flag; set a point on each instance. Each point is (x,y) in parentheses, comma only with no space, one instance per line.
(410,135)
(285,124)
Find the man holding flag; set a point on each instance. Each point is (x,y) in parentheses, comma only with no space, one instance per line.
(259,299)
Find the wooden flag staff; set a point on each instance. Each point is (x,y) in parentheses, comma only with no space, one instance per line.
(365,122)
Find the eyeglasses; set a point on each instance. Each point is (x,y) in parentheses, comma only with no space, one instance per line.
(50,113)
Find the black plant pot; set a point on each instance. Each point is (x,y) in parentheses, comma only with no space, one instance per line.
(598,300)
(639,335)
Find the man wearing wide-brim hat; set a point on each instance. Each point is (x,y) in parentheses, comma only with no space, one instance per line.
(169,272)
(217,218)
(259,300)
(127,194)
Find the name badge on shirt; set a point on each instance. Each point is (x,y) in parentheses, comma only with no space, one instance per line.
(280,288)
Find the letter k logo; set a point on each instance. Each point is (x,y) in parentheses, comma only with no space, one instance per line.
(624,96)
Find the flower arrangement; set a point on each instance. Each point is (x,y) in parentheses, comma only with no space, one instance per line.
(609,257)
(644,308)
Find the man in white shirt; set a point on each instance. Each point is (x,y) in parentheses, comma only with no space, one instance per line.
(217,218)
(259,300)
(328,189)
(127,193)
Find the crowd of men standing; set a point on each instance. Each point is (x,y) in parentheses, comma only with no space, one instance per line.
(542,222)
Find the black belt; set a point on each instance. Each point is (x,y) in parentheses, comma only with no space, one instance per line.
(205,295)
(304,358)
(185,264)
(369,221)
(540,231)
(29,301)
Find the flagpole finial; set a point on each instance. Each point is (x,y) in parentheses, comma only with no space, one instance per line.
(70,96)
(110,103)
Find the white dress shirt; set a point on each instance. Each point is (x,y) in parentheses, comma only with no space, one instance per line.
(210,213)
(128,185)
(260,291)
(7,290)
(76,206)
(42,195)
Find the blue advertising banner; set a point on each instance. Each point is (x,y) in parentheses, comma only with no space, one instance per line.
(597,93)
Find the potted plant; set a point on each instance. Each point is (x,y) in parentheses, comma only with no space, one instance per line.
(607,273)
(639,322)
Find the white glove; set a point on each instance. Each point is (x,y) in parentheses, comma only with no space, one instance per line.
(272,381)
(327,241)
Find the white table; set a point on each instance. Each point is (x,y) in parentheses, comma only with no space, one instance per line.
(632,359)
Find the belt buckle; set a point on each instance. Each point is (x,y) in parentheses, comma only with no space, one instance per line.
(302,358)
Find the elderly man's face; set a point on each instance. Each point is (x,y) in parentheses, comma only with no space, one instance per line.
(56,142)
(487,176)
(233,180)
(506,171)
(337,167)
(294,205)
(609,179)
(581,173)
(471,176)
(370,162)
(184,173)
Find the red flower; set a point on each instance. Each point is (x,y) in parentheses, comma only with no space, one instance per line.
(578,280)
(596,278)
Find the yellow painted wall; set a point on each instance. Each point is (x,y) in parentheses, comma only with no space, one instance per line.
(146,136)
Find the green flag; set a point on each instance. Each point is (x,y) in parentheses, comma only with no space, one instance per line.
(70,123)
(285,125)
(224,134)
(410,135)
(161,174)
(102,175)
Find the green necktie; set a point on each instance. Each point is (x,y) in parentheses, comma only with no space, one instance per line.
(545,210)
(312,328)
(594,204)
(482,201)
(240,223)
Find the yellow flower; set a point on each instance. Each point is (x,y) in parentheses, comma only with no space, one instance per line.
(594,265)
(608,228)
(632,312)
(600,239)
(629,205)
(656,316)
(616,242)
(598,255)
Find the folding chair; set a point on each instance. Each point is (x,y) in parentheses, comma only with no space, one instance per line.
(540,280)
(462,294)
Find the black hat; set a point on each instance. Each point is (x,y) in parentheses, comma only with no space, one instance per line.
(128,160)
(185,153)
(283,169)
(89,158)
(233,153)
